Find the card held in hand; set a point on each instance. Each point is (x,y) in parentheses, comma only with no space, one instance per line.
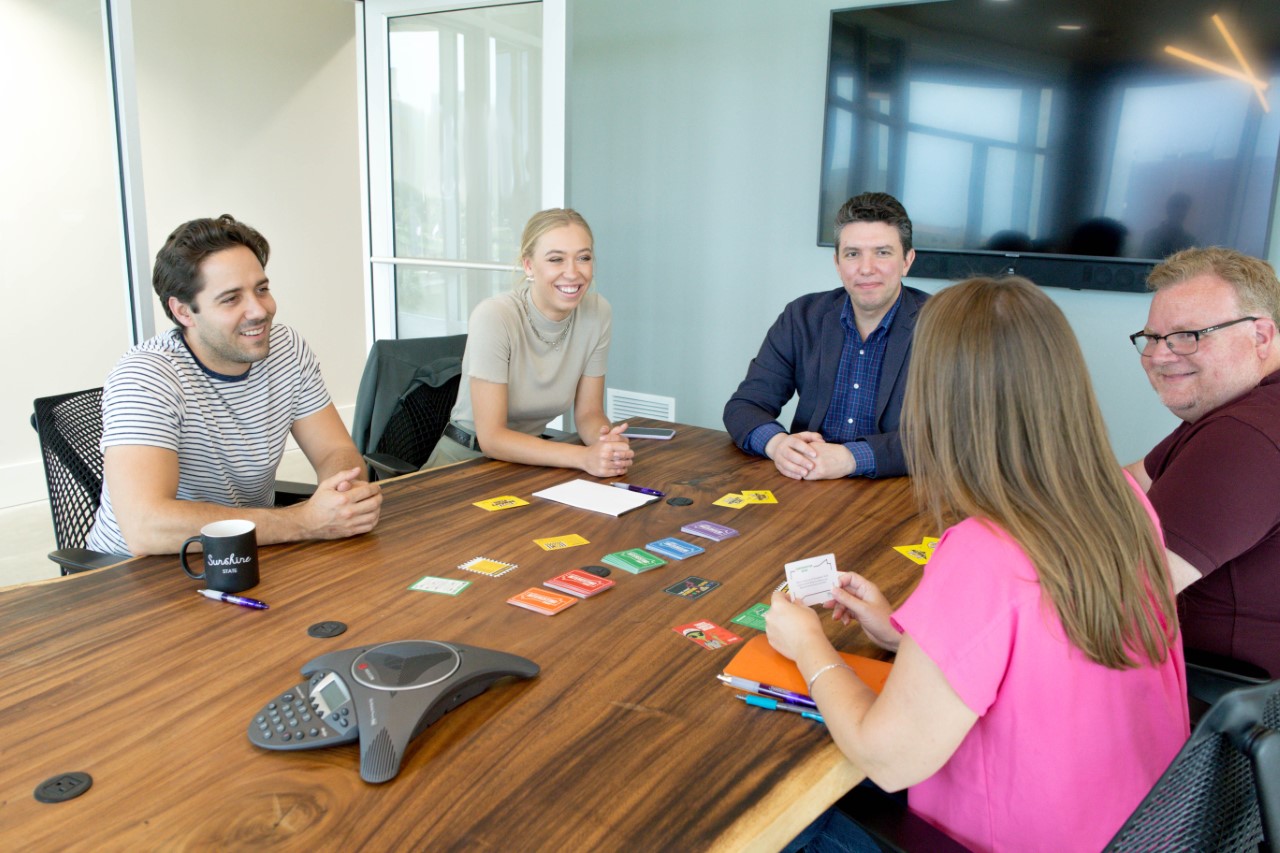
(810,581)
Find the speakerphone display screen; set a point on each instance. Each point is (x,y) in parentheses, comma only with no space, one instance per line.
(332,695)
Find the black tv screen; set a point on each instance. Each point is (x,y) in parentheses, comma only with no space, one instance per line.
(1075,142)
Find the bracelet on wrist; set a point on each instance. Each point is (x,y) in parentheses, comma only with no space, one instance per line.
(819,673)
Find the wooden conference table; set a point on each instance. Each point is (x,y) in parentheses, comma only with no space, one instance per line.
(625,741)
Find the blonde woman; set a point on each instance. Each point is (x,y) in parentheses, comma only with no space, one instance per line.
(1039,688)
(533,354)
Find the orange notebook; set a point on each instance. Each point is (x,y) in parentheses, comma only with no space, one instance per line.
(757,661)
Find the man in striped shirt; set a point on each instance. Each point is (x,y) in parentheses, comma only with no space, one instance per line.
(195,420)
(845,352)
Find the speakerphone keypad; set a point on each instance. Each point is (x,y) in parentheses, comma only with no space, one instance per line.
(282,722)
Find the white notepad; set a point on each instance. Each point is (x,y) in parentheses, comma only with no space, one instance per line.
(596,497)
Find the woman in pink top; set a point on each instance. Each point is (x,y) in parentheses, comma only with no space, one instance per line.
(1039,688)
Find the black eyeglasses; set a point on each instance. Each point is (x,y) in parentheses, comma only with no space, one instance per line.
(1179,343)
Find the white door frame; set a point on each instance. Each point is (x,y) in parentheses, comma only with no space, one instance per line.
(375,141)
(117,34)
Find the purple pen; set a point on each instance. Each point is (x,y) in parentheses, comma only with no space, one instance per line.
(767,690)
(234,599)
(787,696)
(641,489)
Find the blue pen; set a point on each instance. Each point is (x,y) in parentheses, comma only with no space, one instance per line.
(641,489)
(775,705)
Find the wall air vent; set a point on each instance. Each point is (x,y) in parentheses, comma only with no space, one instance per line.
(620,405)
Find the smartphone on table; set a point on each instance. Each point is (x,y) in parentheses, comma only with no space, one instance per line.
(649,432)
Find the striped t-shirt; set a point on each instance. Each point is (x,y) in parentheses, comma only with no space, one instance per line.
(229,431)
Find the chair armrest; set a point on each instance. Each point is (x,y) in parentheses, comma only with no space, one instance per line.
(892,825)
(385,465)
(1263,749)
(289,492)
(1210,676)
(74,560)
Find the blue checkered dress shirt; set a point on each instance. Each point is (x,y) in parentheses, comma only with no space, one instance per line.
(852,411)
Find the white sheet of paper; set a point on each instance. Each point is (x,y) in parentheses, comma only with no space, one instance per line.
(811,580)
(596,497)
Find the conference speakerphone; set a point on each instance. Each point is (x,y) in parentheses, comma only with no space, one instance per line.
(383,696)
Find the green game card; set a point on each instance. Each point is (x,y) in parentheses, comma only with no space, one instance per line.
(752,617)
(633,560)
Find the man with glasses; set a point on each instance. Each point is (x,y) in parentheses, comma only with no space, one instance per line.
(1210,351)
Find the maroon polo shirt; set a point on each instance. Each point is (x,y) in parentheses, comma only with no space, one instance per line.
(1215,484)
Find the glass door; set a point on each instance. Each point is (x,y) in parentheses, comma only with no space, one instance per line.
(464,111)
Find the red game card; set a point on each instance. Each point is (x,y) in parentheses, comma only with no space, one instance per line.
(709,635)
(542,601)
(579,583)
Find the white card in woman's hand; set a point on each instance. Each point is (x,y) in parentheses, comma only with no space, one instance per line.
(811,580)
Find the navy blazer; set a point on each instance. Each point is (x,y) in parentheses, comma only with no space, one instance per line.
(801,354)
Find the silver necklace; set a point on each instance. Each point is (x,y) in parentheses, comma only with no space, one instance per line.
(528,315)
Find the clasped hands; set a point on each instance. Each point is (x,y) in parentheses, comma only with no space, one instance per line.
(792,626)
(343,505)
(611,454)
(809,456)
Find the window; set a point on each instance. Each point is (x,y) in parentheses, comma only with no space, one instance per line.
(465,140)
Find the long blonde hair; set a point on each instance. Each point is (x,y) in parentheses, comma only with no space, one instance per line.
(1000,423)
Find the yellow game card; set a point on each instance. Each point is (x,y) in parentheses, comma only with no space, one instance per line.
(918,554)
(557,543)
(504,502)
(485,566)
(758,496)
(732,501)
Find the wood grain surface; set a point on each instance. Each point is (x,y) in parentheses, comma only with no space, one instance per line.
(625,741)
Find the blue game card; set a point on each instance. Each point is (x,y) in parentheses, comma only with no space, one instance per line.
(676,549)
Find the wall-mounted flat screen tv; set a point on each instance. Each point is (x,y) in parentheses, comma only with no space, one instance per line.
(1075,142)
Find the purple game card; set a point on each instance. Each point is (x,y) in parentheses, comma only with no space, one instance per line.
(710,530)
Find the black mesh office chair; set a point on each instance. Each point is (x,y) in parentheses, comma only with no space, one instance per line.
(406,394)
(415,427)
(70,429)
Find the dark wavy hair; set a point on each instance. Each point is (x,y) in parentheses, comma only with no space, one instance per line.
(875,207)
(177,269)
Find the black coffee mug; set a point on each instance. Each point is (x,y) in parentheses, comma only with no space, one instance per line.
(230,555)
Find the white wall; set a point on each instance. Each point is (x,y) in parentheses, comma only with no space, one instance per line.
(61,272)
(695,135)
(246,107)
(249,108)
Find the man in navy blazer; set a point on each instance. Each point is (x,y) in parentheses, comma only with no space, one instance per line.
(845,352)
